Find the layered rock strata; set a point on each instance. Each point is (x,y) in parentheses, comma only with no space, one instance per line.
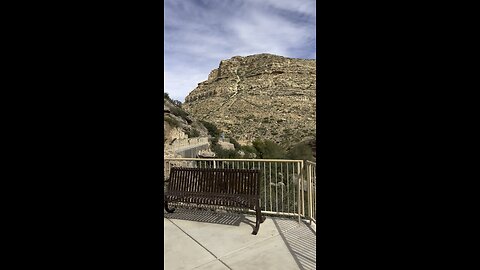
(259,97)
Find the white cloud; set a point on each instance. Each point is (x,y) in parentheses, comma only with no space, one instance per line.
(304,7)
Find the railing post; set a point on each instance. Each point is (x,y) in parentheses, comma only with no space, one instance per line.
(309,173)
(299,193)
(301,199)
(303,188)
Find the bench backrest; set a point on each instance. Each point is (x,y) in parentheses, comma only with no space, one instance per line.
(215,181)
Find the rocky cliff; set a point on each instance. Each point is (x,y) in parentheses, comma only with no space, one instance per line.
(179,128)
(259,97)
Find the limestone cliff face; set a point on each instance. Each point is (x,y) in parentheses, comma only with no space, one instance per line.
(259,97)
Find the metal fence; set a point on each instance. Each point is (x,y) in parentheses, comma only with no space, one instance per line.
(284,189)
(311,174)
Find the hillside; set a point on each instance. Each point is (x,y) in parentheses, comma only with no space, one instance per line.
(178,126)
(259,97)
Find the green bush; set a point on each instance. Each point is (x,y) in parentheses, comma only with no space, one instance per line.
(224,153)
(247,149)
(212,129)
(167,97)
(178,112)
(215,140)
(234,142)
(172,122)
(192,133)
(269,150)
(301,151)
(177,103)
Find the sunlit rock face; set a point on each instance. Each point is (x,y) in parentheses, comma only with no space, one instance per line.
(260,96)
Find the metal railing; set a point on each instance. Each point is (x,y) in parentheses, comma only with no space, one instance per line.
(311,174)
(283,188)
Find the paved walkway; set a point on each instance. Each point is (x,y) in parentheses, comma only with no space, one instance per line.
(204,239)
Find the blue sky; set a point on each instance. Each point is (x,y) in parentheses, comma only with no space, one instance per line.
(200,33)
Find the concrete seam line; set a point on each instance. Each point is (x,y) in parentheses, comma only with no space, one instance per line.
(201,245)
(211,262)
(245,247)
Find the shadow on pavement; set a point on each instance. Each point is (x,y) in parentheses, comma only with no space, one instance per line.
(300,241)
(209,216)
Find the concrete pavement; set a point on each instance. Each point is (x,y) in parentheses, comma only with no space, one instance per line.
(205,239)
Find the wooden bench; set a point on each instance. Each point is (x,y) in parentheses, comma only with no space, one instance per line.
(219,187)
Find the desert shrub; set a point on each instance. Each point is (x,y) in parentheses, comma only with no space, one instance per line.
(177,103)
(212,129)
(192,133)
(234,142)
(178,112)
(172,122)
(167,97)
(268,149)
(248,149)
(301,151)
(224,153)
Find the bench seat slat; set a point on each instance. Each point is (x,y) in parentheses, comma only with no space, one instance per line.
(217,199)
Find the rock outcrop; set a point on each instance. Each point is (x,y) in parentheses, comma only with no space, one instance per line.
(179,129)
(259,97)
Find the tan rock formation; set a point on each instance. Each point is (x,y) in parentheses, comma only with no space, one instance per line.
(176,129)
(259,97)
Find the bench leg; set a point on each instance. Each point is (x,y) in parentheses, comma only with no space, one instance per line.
(259,219)
(167,209)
